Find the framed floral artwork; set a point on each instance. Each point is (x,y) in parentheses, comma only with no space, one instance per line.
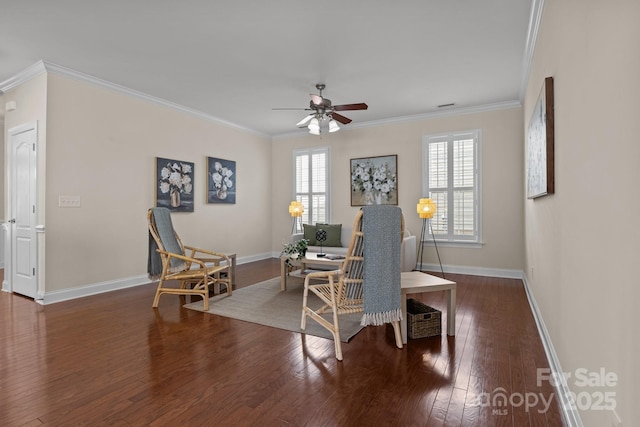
(374,181)
(174,184)
(221,176)
(540,145)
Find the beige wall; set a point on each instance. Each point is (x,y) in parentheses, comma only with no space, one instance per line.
(582,243)
(502,180)
(101,146)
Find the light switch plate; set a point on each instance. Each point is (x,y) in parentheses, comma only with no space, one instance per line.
(69,201)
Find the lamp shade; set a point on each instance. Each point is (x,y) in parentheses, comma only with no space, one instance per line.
(296,208)
(314,124)
(333,126)
(426,208)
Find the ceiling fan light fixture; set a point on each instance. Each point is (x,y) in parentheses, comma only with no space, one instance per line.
(314,124)
(322,109)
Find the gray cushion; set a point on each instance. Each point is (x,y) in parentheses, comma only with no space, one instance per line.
(310,233)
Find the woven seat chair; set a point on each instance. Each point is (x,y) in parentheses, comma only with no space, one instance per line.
(193,268)
(341,290)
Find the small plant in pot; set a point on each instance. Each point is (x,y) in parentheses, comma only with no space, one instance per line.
(294,251)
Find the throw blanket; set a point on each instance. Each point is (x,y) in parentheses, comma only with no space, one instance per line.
(381,226)
(162,218)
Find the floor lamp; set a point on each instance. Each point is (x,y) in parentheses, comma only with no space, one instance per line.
(426,208)
(295,210)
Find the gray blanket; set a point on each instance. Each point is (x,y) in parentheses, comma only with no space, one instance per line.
(162,218)
(382,227)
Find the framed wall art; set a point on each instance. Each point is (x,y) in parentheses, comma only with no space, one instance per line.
(174,184)
(374,181)
(221,178)
(540,145)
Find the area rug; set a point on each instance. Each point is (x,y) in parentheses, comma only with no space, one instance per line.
(265,304)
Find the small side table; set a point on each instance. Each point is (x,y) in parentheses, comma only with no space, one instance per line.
(312,259)
(232,274)
(415,282)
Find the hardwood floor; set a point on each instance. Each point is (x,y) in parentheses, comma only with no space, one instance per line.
(111,359)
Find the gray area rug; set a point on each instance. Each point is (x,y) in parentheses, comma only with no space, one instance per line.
(265,304)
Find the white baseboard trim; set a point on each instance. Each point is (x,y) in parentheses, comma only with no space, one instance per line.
(112,285)
(252,258)
(569,412)
(474,271)
(94,289)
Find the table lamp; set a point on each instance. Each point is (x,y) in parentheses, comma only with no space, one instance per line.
(321,236)
(296,210)
(426,209)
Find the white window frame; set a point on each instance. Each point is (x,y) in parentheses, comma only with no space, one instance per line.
(450,239)
(307,216)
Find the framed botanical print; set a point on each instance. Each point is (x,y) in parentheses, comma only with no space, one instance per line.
(540,145)
(374,181)
(174,184)
(221,178)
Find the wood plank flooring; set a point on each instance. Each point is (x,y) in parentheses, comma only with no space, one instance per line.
(112,360)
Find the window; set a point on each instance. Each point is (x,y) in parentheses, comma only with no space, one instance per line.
(451,177)
(311,186)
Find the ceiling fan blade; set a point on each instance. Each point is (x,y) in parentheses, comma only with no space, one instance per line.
(346,107)
(340,118)
(305,120)
(296,109)
(316,99)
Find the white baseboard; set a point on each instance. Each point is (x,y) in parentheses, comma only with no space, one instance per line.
(474,271)
(94,289)
(570,413)
(113,285)
(252,258)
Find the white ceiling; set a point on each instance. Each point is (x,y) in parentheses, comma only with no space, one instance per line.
(236,60)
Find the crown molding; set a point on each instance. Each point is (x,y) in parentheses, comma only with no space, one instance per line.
(86,78)
(444,113)
(23,76)
(41,67)
(537,6)
(49,67)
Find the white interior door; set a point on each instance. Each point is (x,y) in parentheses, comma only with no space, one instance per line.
(22,209)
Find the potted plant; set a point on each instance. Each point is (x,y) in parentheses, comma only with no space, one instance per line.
(294,251)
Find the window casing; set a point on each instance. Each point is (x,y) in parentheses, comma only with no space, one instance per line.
(311,183)
(451,176)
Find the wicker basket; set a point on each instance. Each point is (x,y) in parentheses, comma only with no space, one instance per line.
(422,321)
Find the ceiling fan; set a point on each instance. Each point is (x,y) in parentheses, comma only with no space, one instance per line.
(322,109)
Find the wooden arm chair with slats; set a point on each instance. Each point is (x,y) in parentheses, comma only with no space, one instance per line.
(341,290)
(193,268)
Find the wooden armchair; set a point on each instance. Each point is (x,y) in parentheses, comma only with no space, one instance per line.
(341,290)
(193,268)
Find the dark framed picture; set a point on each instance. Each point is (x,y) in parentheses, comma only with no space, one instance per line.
(374,181)
(540,145)
(221,178)
(174,184)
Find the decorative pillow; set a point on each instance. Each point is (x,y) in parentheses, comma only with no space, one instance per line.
(310,233)
(334,231)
